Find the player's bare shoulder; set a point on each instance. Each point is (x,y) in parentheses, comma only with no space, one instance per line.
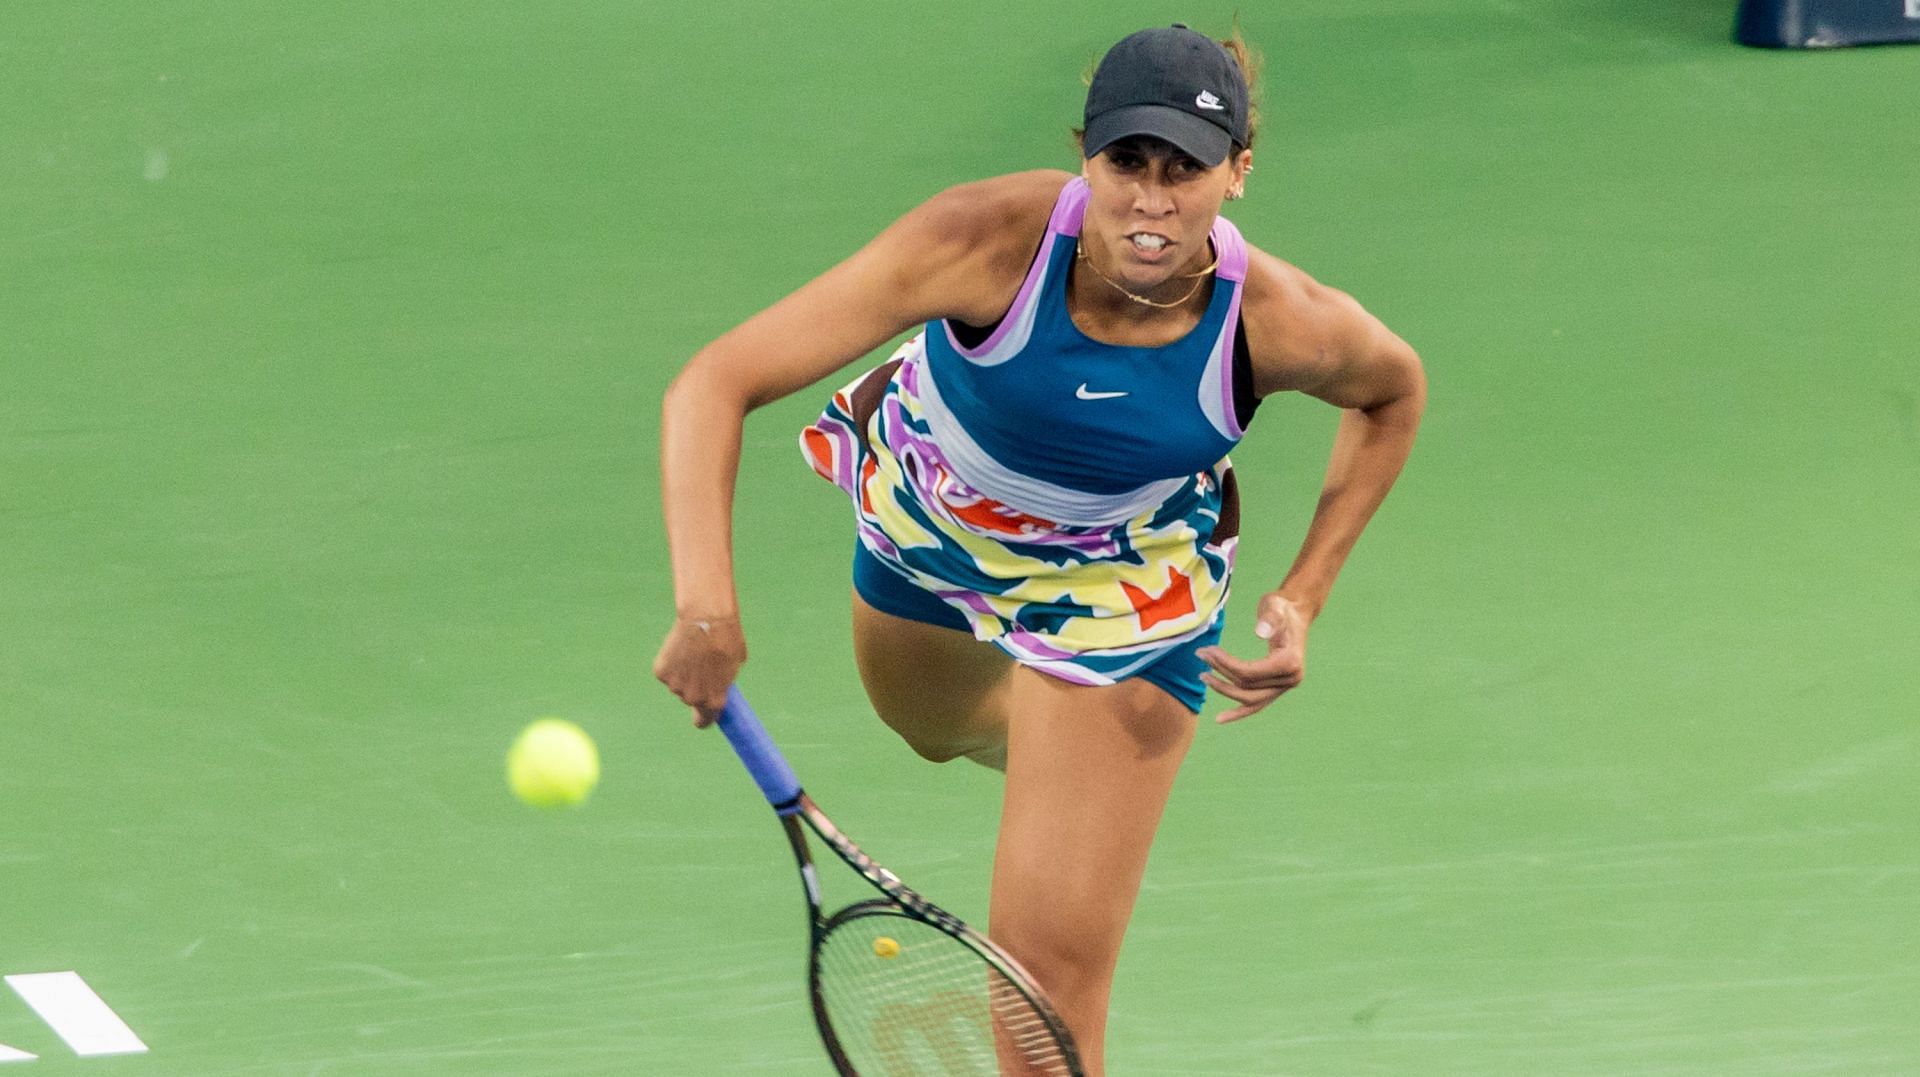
(1002,207)
(984,234)
(1298,330)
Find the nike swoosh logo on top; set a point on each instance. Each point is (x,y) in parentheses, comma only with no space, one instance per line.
(1086,394)
(1206,100)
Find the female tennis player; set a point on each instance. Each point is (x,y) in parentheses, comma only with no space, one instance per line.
(1046,517)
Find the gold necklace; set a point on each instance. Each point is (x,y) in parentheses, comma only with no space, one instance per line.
(1081,255)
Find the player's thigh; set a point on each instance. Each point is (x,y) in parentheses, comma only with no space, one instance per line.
(928,680)
(1089,771)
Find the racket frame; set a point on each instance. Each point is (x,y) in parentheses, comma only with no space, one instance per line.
(795,808)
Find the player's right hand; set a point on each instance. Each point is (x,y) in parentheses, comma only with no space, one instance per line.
(698,662)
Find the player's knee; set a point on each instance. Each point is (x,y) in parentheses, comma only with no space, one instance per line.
(936,751)
(932,744)
(1065,957)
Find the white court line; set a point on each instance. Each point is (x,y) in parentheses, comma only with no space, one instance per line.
(69,1007)
(14,1054)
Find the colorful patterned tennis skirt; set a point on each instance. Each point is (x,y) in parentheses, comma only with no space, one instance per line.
(1089,605)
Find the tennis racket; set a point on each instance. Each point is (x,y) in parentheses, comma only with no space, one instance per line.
(900,986)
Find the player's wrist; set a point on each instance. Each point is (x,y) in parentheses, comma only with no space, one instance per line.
(1308,601)
(707,621)
(707,607)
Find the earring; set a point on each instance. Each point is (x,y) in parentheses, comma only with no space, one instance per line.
(1235,196)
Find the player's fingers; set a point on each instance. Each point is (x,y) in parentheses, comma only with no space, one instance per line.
(1282,677)
(1220,684)
(1237,693)
(708,712)
(706,708)
(1237,713)
(704,690)
(711,699)
(1277,665)
(699,660)
(1236,669)
(1273,671)
(1251,708)
(1246,710)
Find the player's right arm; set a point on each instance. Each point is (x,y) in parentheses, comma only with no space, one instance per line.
(951,257)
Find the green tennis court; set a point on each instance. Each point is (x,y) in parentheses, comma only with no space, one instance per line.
(332,341)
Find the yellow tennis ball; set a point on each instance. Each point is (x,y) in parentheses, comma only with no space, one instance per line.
(553,764)
(885,947)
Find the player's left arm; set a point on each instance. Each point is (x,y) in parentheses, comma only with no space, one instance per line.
(1320,341)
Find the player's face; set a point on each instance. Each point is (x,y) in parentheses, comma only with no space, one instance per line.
(1151,209)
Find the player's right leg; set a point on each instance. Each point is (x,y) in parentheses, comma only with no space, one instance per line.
(942,690)
(1090,772)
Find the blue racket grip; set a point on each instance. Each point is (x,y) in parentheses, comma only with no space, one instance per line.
(755,749)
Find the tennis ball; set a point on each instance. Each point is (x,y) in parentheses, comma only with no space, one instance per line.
(885,947)
(552,764)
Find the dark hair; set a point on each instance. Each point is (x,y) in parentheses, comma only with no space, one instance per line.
(1243,54)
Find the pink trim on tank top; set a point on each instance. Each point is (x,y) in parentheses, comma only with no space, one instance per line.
(1069,209)
(1231,247)
(1227,334)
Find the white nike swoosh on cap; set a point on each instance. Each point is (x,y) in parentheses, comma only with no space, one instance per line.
(1207,100)
(1086,394)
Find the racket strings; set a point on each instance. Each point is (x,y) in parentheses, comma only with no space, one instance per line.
(905,999)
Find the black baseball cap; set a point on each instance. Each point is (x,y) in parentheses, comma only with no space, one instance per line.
(1171,83)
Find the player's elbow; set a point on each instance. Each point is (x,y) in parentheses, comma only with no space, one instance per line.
(1413,378)
(1401,383)
(705,387)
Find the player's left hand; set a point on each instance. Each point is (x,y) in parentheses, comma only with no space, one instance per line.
(1254,683)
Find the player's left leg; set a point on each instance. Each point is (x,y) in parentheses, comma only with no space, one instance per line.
(1088,774)
(942,690)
